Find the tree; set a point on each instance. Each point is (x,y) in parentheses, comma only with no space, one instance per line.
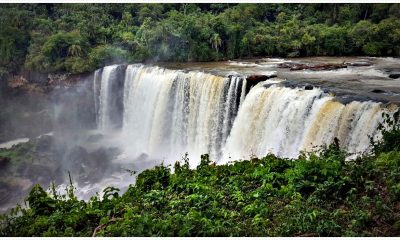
(216,41)
(307,42)
(61,37)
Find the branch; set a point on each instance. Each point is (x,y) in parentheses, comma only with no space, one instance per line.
(102,226)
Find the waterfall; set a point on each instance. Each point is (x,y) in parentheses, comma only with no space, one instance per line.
(230,111)
(287,121)
(108,104)
(96,88)
(103,117)
(166,113)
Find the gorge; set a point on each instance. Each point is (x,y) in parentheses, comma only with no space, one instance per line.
(134,117)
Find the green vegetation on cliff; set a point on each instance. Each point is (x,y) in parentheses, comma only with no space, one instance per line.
(81,37)
(314,195)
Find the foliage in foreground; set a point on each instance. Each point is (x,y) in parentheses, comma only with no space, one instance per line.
(322,195)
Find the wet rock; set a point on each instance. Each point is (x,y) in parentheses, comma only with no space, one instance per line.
(316,67)
(13,189)
(101,157)
(297,67)
(38,172)
(231,74)
(293,66)
(309,87)
(359,64)
(44,143)
(89,166)
(57,79)
(394,75)
(17,82)
(5,190)
(4,161)
(22,83)
(97,164)
(35,76)
(254,79)
(285,65)
(75,158)
(66,80)
(378,91)
(273,75)
(259,78)
(323,66)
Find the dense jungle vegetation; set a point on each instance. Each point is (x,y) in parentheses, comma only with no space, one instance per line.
(322,195)
(82,37)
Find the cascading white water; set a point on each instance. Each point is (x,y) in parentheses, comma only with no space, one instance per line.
(229,112)
(96,88)
(103,111)
(287,121)
(168,112)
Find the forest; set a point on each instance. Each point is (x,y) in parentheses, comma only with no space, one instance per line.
(77,38)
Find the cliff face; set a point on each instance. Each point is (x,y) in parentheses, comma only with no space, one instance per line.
(26,102)
(43,83)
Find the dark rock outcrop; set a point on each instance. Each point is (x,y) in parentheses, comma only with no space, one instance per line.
(35,76)
(320,67)
(4,161)
(394,75)
(44,143)
(316,67)
(259,78)
(378,91)
(254,79)
(285,65)
(88,166)
(297,67)
(358,64)
(309,87)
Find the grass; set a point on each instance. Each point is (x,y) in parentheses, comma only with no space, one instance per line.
(10,154)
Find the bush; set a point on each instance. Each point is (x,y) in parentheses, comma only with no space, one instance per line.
(105,55)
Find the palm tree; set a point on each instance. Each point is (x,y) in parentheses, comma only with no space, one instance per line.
(216,41)
(6,49)
(75,50)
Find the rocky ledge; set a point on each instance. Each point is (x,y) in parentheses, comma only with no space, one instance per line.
(43,83)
